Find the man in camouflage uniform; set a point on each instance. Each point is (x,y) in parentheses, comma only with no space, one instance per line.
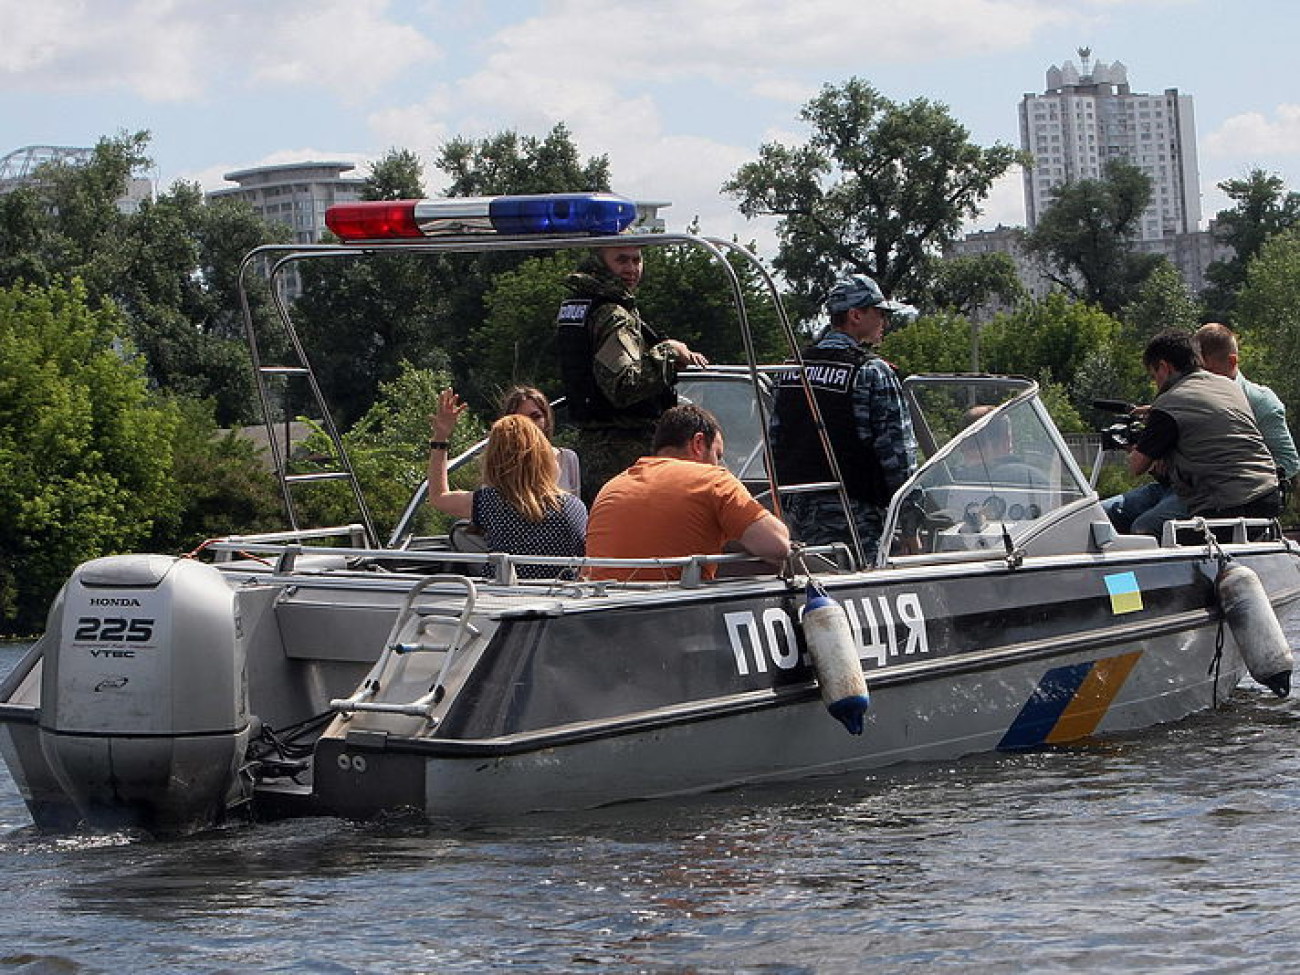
(867,422)
(619,376)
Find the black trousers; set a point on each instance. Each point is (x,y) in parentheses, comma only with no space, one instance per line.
(1265,506)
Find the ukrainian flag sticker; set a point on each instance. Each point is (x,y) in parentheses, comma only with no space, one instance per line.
(1125,596)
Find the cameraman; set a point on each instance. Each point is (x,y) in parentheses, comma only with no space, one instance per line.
(1201,435)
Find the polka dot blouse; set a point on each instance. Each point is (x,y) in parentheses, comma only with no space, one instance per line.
(562,531)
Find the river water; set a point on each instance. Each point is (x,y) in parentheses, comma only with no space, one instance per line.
(1173,850)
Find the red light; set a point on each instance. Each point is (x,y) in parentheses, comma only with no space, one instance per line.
(373,220)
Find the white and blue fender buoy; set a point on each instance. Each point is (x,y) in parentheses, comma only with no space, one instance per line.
(835,659)
(1254,627)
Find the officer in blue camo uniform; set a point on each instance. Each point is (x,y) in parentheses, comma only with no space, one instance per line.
(867,422)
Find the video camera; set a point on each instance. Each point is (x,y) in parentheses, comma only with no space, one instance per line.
(1121,435)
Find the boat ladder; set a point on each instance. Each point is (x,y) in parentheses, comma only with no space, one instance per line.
(414,631)
(297,371)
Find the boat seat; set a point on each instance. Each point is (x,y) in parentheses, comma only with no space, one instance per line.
(1105,538)
(465,536)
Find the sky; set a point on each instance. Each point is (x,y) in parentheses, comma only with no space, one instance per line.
(677,93)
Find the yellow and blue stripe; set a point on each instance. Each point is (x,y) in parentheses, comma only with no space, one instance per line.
(1069,702)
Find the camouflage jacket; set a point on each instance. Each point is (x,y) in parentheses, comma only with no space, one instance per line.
(632,368)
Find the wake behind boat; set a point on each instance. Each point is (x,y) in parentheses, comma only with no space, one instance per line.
(321,671)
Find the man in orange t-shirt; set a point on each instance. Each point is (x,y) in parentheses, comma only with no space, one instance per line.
(681,501)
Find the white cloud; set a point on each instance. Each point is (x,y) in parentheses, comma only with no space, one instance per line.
(784,90)
(174,50)
(757,52)
(421,127)
(153,49)
(1005,204)
(346,45)
(729,41)
(1254,134)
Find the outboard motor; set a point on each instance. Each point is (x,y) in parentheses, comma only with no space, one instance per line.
(144,702)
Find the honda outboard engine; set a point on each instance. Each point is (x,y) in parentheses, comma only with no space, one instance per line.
(144,705)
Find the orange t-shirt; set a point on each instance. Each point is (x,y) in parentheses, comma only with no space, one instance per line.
(665,507)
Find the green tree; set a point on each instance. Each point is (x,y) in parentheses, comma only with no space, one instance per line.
(1085,238)
(179,290)
(1268,316)
(85,453)
(1163,300)
(933,343)
(170,266)
(506,163)
(362,318)
(878,188)
(967,283)
(1262,207)
(222,478)
(66,222)
(398,175)
(686,295)
(1074,345)
(510,163)
(515,341)
(388,450)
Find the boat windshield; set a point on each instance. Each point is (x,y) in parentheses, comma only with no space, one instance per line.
(728,393)
(997,467)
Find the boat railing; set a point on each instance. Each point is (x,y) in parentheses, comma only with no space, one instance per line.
(1226,531)
(356,535)
(287,557)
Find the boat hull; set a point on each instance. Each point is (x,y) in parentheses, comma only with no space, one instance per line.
(1103,665)
(473,702)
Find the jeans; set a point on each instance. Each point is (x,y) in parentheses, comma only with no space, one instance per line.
(1144,510)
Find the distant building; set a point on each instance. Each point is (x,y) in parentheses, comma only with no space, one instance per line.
(1009,241)
(1191,253)
(296,194)
(19,168)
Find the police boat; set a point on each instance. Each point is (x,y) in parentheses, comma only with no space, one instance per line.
(322,670)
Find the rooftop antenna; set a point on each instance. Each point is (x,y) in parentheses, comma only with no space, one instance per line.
(1084,54)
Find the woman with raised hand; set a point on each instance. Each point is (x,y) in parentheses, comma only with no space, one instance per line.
(532,402)
(520,508)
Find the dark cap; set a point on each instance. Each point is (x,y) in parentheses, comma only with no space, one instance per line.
(860,291)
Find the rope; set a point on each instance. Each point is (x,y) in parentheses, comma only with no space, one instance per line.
(1216,662)
(1214,551)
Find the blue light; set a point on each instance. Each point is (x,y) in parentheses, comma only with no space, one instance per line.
(471,216)
(562,213)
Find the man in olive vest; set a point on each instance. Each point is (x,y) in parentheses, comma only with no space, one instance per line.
(1201,435)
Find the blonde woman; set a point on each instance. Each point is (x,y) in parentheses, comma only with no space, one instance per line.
(532,403)
(520,508)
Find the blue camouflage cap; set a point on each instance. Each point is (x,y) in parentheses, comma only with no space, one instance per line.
(860,291)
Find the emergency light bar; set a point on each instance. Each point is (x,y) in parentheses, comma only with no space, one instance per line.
(513,216)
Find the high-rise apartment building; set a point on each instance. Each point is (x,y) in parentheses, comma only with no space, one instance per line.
(1089,116)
